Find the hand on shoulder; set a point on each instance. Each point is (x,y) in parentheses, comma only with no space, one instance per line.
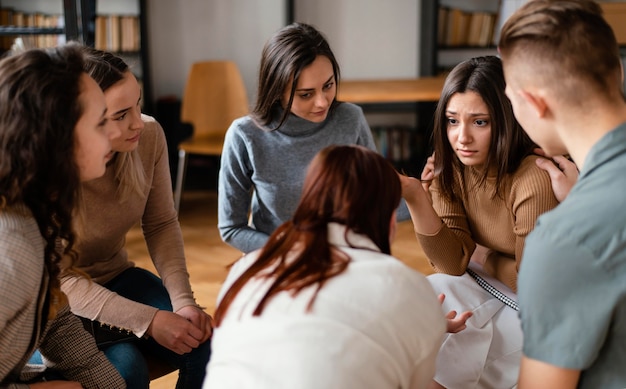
(563,173)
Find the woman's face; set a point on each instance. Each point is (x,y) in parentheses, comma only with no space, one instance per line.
(124,112)
(92,134)
(315,91)
(469,128)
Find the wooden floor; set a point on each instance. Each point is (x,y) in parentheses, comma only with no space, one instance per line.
(208,257)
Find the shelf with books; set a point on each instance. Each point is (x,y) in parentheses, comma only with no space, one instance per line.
(454,30)
(45,23)
(117,33)
(29,27)
(119,26)
(459,27)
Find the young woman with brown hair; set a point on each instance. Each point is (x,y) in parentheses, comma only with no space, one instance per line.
(323,303)
(487,192)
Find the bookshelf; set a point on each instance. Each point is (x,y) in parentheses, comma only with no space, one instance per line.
(120,26)
(29,23)
(455,30)
(47,23)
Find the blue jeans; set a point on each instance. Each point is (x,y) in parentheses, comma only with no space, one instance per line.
(142,286)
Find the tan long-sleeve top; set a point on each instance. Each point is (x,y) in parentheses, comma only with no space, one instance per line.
(101,244)
(497,223)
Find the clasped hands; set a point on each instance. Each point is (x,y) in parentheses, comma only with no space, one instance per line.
(182,331)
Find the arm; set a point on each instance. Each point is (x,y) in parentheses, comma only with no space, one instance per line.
(366,139)
(164,238)
(536,374)
(531,196)
(159,221)
(235,190)
(424,372)
(95,302)
(567,306)
(441,227)
(75,354)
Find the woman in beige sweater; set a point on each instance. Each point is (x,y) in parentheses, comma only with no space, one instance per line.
(487,192)
(136,187)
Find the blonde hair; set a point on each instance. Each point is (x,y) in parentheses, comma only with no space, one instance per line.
(130,175)
(108,69)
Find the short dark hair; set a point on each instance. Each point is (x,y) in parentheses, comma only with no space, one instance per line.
(571,43)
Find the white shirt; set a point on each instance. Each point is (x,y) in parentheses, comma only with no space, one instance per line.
(376,325)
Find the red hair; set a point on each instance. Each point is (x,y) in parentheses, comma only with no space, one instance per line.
(349,185)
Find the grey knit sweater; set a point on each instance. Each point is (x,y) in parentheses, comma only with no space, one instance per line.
(262,171)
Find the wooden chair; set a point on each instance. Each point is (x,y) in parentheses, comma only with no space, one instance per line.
(214,96)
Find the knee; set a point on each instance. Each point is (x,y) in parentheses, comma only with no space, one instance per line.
(130,363)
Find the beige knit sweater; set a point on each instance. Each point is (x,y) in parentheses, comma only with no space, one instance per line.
(101,245)
(497,223)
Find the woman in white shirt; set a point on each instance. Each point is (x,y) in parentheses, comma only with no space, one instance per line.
(323,303)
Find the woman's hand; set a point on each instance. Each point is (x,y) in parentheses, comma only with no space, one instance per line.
(199,318)
(455,323)
(175,332)
(563,173)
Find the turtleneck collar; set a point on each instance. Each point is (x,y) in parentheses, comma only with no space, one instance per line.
(295,125)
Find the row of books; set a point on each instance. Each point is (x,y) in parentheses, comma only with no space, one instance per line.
(117,33)
(399,144)
(457,27)
(10,17)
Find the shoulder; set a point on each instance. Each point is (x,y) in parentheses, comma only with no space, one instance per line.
(384,284)
(241,130)
(393,274)
(243,124)
(531,178)
(152,135)
(21,248)
(152,129)
(345,110)
(528,168)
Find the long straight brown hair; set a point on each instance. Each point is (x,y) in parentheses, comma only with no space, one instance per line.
(350,185)
(509,143)
(285,55)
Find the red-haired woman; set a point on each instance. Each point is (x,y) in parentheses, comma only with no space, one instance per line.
(323,303)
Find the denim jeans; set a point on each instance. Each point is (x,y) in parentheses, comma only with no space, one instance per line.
(142,286)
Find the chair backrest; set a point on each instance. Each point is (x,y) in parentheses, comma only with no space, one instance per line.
(215,95)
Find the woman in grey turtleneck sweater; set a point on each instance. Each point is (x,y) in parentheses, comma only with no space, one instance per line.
(266,154)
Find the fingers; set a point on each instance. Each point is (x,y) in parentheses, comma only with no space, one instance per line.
(568,167)
(428,173)
(549,167)
(539,151)
(441,298)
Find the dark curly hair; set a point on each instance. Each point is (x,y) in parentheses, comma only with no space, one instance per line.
(39,108)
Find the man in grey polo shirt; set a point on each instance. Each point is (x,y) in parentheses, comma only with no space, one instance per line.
(564,79)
